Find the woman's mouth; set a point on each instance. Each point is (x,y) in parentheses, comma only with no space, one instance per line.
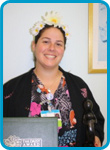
(50,56)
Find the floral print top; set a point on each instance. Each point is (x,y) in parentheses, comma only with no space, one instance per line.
(61,100)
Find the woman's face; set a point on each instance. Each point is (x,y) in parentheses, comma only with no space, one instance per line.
(49,49)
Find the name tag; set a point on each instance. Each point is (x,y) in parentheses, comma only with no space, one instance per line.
(52,113)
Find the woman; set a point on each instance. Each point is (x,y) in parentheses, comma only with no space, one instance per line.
(49,87)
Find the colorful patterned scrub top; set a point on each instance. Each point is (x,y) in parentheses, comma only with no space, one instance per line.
(61,101)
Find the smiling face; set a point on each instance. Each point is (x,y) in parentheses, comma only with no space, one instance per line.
(49,49)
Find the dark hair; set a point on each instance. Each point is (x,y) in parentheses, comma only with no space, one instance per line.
(47,27)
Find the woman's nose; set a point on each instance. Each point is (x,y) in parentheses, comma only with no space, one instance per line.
(52,47)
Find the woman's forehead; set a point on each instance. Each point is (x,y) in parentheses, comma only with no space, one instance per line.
(52,32)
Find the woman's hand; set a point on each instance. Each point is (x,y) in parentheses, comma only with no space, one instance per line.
(97,142)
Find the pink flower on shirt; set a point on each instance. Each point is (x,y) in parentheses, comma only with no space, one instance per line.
(84,92)
(67,92)
(35,109)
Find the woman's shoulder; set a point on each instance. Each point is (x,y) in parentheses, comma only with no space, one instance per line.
(73,77)
(12,82)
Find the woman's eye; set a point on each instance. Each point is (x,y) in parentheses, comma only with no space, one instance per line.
(59,44)
(45,41)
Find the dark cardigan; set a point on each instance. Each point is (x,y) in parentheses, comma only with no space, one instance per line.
(17,98)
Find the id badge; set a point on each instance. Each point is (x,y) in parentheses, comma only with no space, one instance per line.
(52,113)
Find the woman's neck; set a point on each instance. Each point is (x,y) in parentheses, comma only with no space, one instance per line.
(49,78)
(45,73)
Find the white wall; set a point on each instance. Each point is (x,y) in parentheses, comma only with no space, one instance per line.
(17,55)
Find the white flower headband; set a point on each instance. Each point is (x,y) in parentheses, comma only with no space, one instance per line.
(51,18)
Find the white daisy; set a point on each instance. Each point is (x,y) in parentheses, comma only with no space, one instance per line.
(34,31)
(52,18)
(40,25)
(36,28)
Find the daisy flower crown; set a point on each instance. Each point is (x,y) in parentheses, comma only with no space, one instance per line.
(51,18)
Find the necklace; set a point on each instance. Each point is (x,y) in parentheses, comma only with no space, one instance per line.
(53,85)
(50,95)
